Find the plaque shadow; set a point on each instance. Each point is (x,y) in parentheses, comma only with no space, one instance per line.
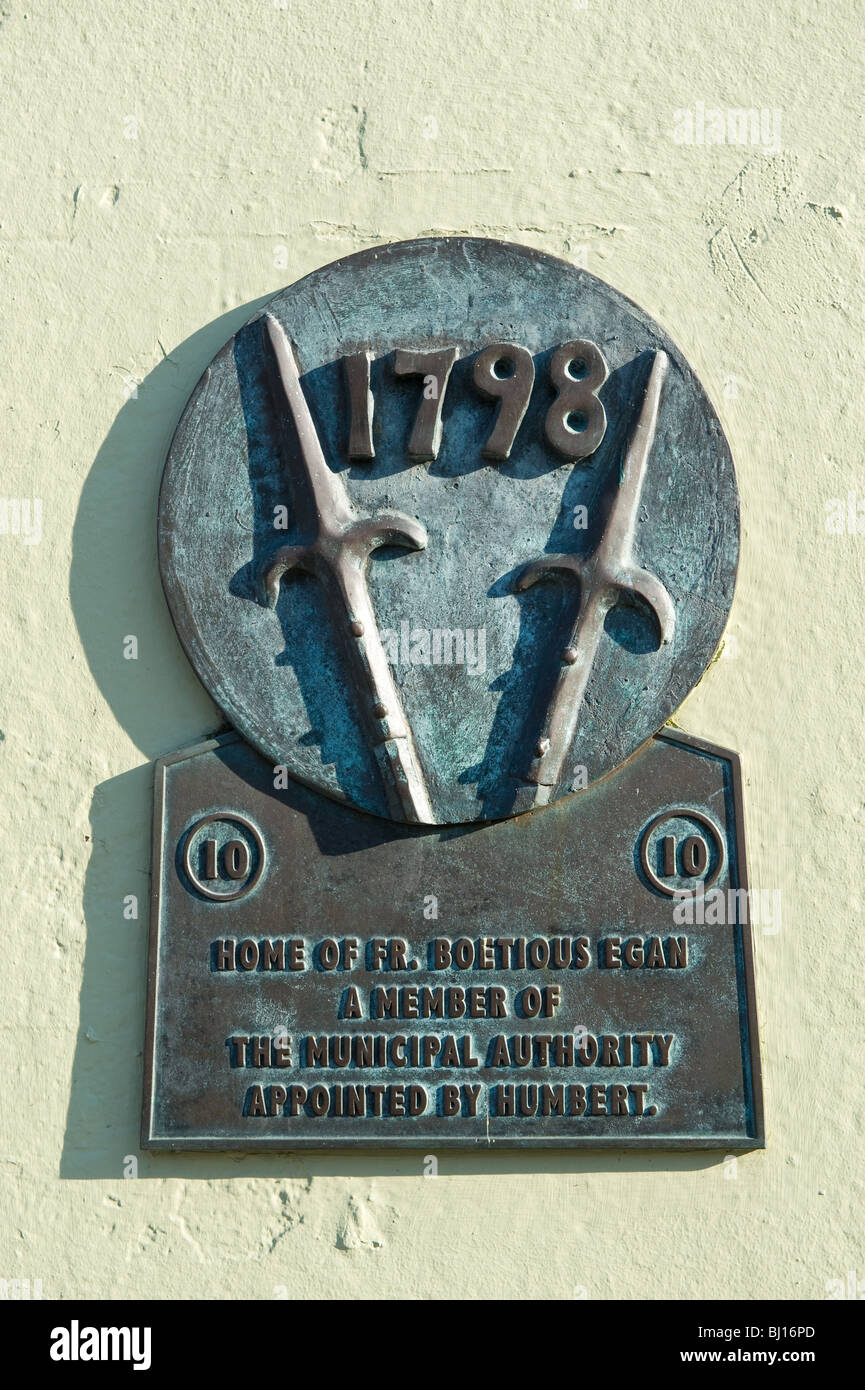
(115,592)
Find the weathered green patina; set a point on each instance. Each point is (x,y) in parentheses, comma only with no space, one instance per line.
(474,661)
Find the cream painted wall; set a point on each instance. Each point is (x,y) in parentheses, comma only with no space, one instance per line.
(165,167)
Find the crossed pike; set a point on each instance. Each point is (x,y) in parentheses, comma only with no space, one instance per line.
(336,554)
(603,576)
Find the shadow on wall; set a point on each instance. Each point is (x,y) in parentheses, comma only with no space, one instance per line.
(116,593)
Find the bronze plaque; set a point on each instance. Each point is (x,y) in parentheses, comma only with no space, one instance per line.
(579,976)
(448,530)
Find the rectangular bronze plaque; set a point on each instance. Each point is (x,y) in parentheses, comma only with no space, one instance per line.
(319,977)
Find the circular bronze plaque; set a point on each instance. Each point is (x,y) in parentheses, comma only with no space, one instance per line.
(449,529)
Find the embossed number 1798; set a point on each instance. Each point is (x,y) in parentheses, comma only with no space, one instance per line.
(505,372)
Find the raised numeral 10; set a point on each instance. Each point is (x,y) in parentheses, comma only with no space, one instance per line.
(694,859)
(235,859)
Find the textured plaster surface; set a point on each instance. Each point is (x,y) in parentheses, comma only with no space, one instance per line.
(167,167)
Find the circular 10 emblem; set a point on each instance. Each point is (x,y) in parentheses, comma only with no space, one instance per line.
(682,852)
(223,856)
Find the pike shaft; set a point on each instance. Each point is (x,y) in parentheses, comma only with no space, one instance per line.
(604,577)
(337,557)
